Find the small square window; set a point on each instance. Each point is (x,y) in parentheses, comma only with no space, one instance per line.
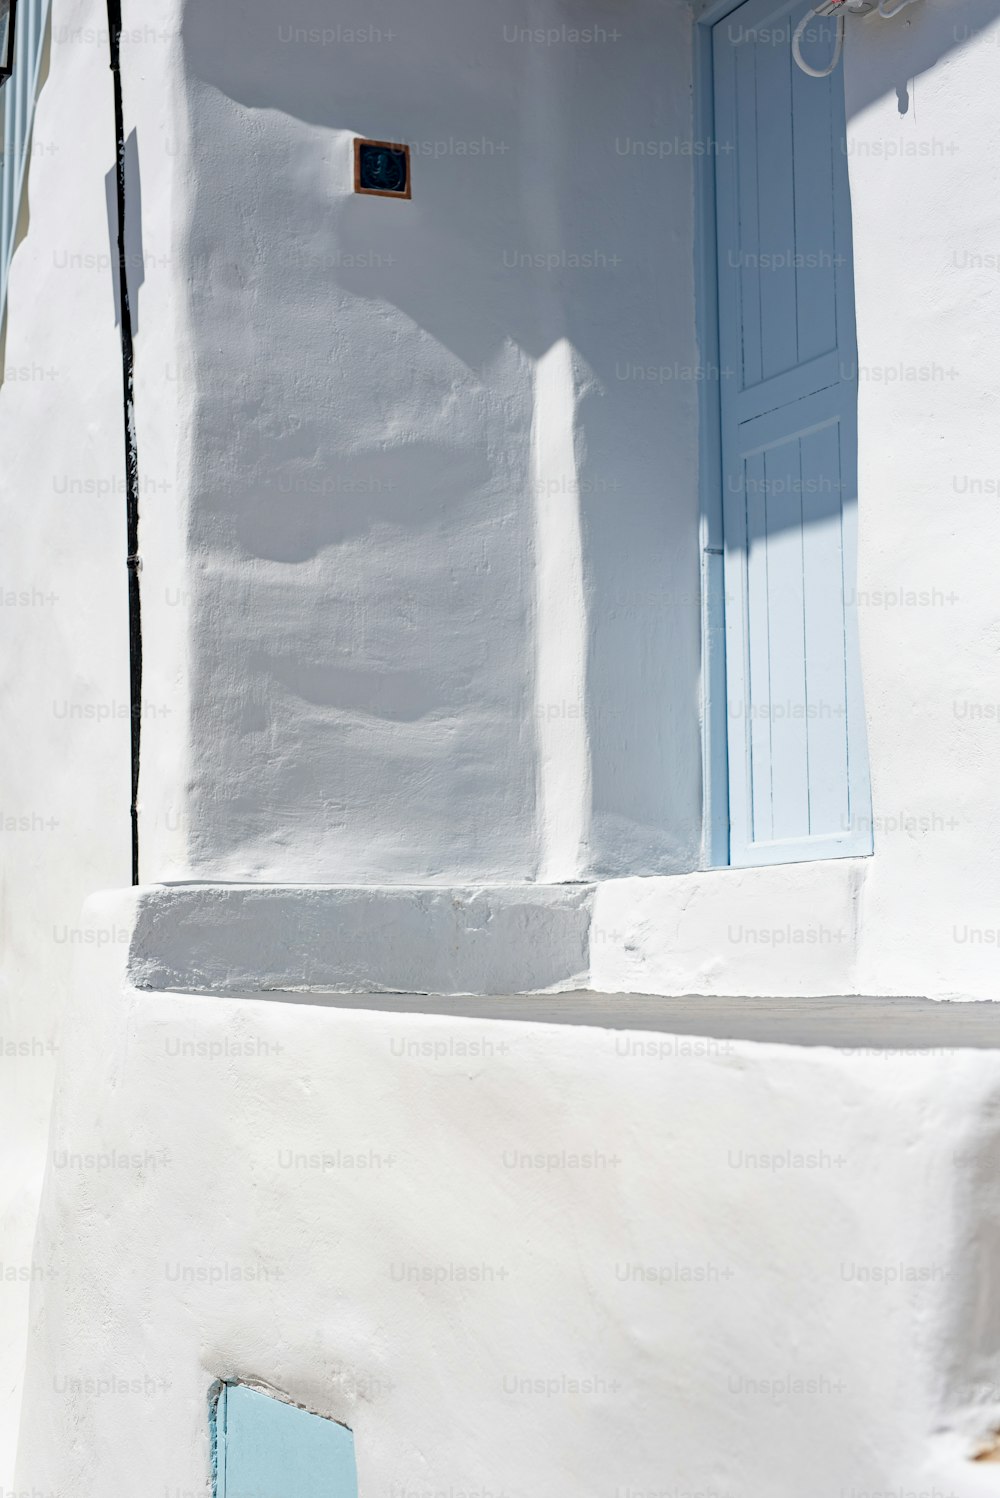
(381,169)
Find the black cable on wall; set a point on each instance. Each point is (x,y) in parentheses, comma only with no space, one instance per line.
(131,451)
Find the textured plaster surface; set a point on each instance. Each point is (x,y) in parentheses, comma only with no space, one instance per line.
(443,566)
(504,940)
(63,624)
(512,1256)
(925,184)
(420,604)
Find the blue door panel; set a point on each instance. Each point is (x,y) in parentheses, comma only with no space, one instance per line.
(797,757)
(748,713)
(823,547)
(782,542)
(815,228)
(775,202)
(269,1449)
(740,293)
(17,106)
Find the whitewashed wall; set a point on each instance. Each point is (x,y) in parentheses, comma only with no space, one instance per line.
(920,916)
(420,549)
(927,231)
(64,787)
(438,617)
(515,1257)
(443,512)
(380,469)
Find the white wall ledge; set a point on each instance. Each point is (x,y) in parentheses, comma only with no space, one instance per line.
(785,932)
(856,1026)
(238,938)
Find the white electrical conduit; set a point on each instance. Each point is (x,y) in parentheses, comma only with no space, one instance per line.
(826,9)
(840,8)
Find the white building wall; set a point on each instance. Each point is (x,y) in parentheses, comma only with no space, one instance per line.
(927,211)
(354,501)
(407,658)
(517,1257)
(920,916)
(443,528)
(64,776)
(381,649)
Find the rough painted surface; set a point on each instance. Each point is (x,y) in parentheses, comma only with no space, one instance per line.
(919,916)
(236,940)
(380,648)
(63,624)
(784,930)
(923,142)
(443,526)
(492,1247)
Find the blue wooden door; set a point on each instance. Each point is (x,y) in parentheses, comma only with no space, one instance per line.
(798,776)
(266,1448)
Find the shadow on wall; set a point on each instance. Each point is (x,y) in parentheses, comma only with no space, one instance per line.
(539,219)
(383,449)
(895,52)
(135,261)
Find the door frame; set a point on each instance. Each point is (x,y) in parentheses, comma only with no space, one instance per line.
(716,849)
(711,544)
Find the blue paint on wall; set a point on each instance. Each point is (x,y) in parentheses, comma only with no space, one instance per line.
(265,1448)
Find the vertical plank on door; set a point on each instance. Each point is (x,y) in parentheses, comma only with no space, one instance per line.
(815,196)
(786,630)
(774,253)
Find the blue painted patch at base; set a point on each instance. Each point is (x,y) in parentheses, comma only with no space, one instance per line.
(265,1448)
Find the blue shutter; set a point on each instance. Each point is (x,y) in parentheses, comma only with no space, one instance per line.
(268,1449)
(797,756)
(18,98)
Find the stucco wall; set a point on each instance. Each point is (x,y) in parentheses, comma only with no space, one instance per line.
(64,777)
(439,614)
(419,524)
(920,916)
(514,1257)
(925,173)
(443,523)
